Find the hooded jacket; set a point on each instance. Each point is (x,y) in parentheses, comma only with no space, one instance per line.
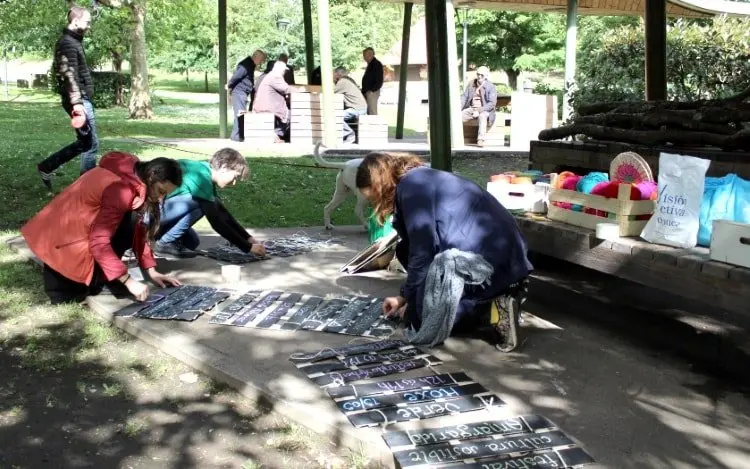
(74,231)
(271,93)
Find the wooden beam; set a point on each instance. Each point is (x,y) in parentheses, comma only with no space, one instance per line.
(309,45)
(326,75)
(222,68)
(570,57)
(404,72)
(656,49)
(438,83)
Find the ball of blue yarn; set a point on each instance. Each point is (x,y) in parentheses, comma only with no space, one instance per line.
(587,183)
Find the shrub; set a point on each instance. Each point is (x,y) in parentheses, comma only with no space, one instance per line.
(110,88)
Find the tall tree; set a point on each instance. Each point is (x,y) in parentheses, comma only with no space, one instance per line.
(515,42)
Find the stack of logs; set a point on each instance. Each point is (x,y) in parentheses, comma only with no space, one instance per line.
(718,123)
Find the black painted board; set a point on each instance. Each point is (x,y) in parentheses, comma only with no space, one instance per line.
(229,253)
(343,377)
(252,311)
(343,318)
(358,360)
(383,327)
(295,321)
(468,431)
(395,385)
(155,297)
(323,314)
(425,410)
(556,459)
(364,322)
(446,454)
(244,300)
(408,398)
(177,303)
(346,351)
(280,311)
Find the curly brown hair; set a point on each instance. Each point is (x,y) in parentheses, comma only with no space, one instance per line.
(380,172)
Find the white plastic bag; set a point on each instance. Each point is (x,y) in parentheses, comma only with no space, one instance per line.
(676,219)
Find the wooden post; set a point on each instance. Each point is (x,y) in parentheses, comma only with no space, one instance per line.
(438,81)
(309,46)
(326,75)
(570,57)
(403,75)
(454,85)
(222,68)
(656,49)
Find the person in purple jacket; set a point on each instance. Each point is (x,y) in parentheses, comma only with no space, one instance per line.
(449,228)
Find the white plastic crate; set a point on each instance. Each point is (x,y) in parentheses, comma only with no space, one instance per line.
(730,243)
(528,197)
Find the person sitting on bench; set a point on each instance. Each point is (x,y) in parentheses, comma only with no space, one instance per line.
(478,103)
(82,234)
(355,104)
(465,258)
(196,197)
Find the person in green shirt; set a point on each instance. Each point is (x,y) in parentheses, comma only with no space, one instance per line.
(197,197)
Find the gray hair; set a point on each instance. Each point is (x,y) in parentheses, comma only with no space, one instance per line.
(341,70)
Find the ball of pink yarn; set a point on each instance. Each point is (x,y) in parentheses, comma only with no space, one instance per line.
(600,188)
(570,182)
(646,188)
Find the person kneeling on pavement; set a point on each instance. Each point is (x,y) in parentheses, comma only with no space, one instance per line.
(197,197)
(82,234)
(465,257)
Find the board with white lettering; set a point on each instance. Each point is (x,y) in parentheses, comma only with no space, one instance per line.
(348,363)
(407,398)
(468,431)
(388,415)
(339,378)
(555,459)
(501,446)
(325,354)
(183,303)
(350,315)
(403,384)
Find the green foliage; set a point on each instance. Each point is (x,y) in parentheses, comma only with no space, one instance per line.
(704,60)
(515,42)
(110,88)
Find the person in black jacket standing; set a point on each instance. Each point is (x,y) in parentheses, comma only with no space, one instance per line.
(241,86)
(76,90)
(372,80)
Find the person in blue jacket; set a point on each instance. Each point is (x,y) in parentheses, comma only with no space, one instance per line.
(241,86)
(436,211)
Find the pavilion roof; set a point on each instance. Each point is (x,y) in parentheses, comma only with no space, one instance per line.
(675,8)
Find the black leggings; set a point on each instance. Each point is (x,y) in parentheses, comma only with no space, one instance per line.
(61,289)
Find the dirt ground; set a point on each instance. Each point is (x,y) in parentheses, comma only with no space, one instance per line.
(76,393)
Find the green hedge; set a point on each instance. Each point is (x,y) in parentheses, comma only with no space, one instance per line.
(107,87)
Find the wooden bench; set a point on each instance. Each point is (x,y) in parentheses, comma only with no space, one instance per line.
(372,130)
(306,117)
(259,127)
(497,136)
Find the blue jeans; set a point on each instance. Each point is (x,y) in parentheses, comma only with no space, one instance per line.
(239,101)
(351,115)
(178,215)
(87,143)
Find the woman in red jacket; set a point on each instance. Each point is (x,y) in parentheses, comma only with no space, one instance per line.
(82,234)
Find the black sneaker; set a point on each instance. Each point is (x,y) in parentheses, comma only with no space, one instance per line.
(46,178)
(507,329)
(173,250)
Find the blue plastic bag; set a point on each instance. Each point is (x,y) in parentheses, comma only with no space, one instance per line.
(724,198)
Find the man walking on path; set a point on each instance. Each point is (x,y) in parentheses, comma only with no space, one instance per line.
(76,90)
(241,86)
(372,80)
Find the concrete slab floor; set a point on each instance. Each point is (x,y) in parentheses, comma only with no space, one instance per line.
(627,407)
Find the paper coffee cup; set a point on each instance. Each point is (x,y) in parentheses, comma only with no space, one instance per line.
(231,273)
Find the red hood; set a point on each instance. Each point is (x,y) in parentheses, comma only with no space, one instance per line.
(123,165)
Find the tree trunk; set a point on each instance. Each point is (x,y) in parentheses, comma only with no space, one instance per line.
(117,67)
(187,76)
(140,99)
(512,79)
(205,81)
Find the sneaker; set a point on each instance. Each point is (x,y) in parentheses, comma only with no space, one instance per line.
(507,328)
(173,250)
(480,143)
(46,178)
